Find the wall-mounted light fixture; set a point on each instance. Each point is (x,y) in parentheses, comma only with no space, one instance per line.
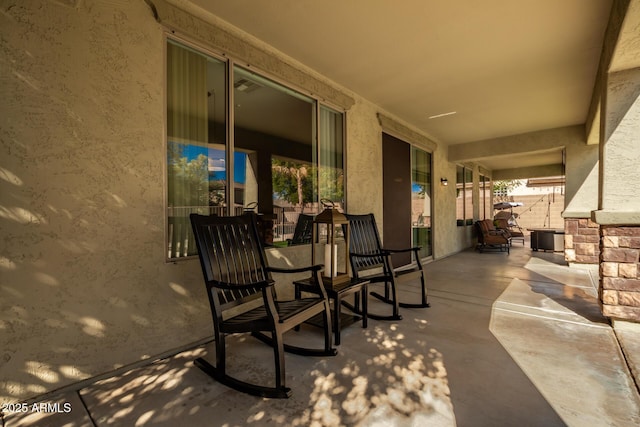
(444,181)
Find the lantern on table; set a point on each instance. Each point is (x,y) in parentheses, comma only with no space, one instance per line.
(330,222)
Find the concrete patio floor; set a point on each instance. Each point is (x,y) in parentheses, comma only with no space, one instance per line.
(510,340)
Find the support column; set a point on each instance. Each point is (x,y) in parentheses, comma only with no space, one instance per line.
(581,235)
(619,270)
(619,197)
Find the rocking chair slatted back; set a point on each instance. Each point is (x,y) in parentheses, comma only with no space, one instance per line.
(234,260)
(365,240)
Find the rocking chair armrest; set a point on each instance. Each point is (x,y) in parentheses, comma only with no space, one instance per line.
(240,286)
(315,267)
(414,249)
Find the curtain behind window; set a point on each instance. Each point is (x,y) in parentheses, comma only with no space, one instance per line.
(331,173)
(187,135)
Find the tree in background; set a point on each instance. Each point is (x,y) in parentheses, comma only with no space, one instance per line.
(188,179)
(331,184)
(292,181)
(502,188)
(295,182)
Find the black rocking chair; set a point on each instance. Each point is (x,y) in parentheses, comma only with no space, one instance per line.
(366,253)
(236,273)
(303,231)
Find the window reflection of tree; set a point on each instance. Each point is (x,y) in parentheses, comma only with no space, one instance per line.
(292,182)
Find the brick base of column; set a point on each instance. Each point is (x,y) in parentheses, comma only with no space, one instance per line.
(620,272)
(581,241)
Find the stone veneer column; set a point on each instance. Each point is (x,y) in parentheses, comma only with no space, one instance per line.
(620,272)
(581,241)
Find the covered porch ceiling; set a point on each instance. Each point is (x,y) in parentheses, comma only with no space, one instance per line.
(461,72)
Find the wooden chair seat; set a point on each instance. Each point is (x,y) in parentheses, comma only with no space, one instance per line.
(260,315)
(236,274)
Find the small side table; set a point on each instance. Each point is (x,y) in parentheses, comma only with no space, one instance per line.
(337,293)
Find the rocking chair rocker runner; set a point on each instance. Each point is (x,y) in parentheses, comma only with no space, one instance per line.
(366,253)
(236,273)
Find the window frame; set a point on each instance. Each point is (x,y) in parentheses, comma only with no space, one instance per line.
(230,64)
(486,193)
(468,196)
(462,187)
(430,194)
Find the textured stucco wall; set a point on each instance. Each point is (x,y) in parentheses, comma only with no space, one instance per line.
(581,175)
(364,161)
(84,285)
(446,234)
(620,196)
(85,288)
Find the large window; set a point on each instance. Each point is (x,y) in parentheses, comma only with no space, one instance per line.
(464,196)
(459,195)
(239,141)
(468,196)
(421,196)
(485,198)
(331,161)
(196,139)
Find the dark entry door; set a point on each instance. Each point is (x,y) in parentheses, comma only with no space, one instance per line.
(396,197)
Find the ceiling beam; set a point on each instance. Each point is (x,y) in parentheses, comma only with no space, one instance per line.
(612,35)
(398,130)
(531,142)
(528,172)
